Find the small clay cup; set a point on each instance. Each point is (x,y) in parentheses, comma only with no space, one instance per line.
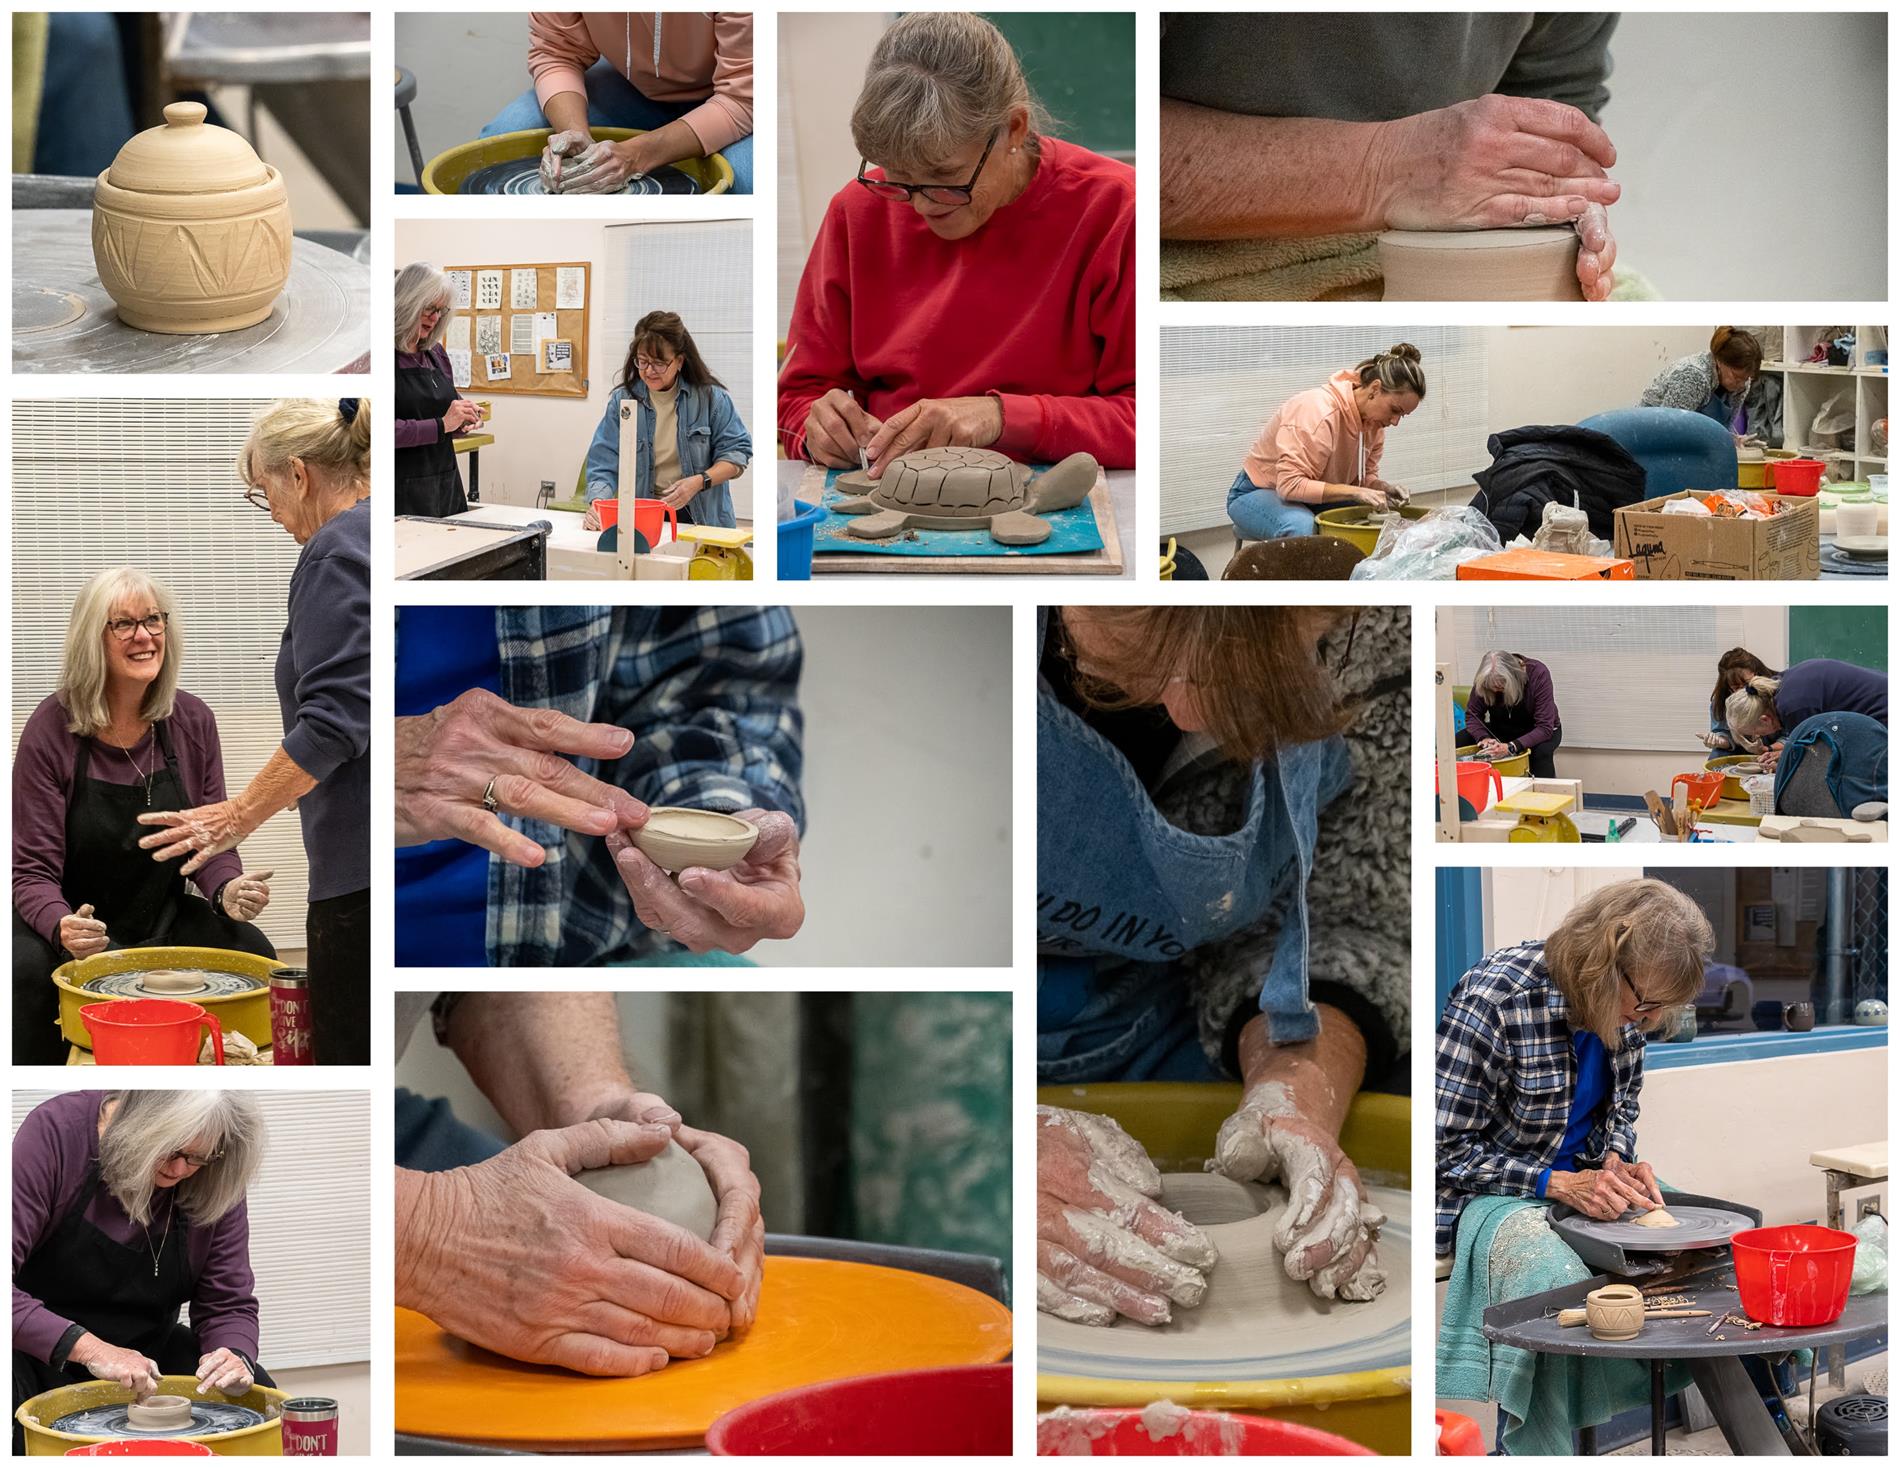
(159,1414)
(1614,1313)
(1800,1016)
(675,838)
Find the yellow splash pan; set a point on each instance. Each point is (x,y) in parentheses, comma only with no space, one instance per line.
(1517,764)
(265,1440)
(1355,525)
(1732,784)
(1176,1122)
(248,1013)
(447,172)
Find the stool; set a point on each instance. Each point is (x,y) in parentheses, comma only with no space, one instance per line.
(406,94)
(1848,1168)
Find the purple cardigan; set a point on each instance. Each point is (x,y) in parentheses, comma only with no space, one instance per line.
(43,786)
(1541,697)
(413,433)
(56,1144)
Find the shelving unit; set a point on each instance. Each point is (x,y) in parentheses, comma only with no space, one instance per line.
(1806,388)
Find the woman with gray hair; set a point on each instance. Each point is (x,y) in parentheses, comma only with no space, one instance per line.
(117,738)
(430,413)
(1513,710)
(974,285)
(128,1205)
(1768,705)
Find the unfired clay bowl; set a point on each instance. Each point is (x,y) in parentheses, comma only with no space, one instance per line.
(1614,1313)
(675,838)
(1480,264)
(159,1414)
(190,228)
(173,981)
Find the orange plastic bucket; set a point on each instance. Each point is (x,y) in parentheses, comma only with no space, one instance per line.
(1705,787)
(648,517)
(1796,476)
(150,1032)
(953,1411)
(1476,780)
(1118,1432)
(1797,1274)
(1458,1436)
(148,1447)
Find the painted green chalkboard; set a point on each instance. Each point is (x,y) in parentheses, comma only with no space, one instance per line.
(1851,634)
(1082,66)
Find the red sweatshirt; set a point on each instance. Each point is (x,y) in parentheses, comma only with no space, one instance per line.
(1036,309)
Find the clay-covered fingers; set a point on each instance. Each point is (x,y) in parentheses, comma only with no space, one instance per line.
(555,156)
(601,1142)
(1108,1144)
(81,934)
(1066,1170)
(1115,1250)
(728,1168)
(1323,1228)
(1073,1289)
(1596,254)
(223,1370)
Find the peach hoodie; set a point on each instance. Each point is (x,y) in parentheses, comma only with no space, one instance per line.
(1313,440)
(704,57)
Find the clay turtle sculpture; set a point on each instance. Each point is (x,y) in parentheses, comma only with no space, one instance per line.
(964,489)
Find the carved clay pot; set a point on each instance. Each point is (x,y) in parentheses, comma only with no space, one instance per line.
(1614,1313)
(676,838)
(1480,264)
(190,228)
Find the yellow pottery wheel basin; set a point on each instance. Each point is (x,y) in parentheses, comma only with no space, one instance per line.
(447,172)
(1517,764)
(261,1440)
(1359,525)
(247,1013)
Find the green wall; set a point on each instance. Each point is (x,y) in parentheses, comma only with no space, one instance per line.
(1851,634)
(1082,66)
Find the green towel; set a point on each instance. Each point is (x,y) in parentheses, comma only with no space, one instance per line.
(1548,1397)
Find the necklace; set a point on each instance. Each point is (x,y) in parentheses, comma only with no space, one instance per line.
(162,1240)
(143,775)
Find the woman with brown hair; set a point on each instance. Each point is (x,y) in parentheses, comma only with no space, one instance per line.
(1732,671)
(692,442)
(1724,383)
(1223,891)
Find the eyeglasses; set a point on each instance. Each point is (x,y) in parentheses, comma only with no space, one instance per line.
(257,499)
(195,1159)
(648,367)
(123,628)
(903,193)
(1643,1006)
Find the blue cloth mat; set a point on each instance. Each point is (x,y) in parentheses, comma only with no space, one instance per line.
(1073,532)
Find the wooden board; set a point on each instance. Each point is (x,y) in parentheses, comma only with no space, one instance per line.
(1104,562)
(525,377)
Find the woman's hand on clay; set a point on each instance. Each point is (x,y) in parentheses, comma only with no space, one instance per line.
(739,1228)
(81,934)
(603,168)
(223,1370)
(1639,1175)
(836,427)
(515,1256)
(720,912)
(1494,162)
(247,894)
(1770,757)
(461,413)
(199,833)
(1329,1234)
(1492,748)
(559,153)
(1369,494)
(137,1373)
(1395,494)
(1104,1247)
(446,758)
(934,423)
(1595,1193)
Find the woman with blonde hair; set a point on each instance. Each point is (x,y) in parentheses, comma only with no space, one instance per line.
(974,285)
(127,1206)
(118,738)
(1766,706)
(307,464)
(431,412)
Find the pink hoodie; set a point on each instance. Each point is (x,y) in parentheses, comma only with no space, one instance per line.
(704,57)
(1315,440)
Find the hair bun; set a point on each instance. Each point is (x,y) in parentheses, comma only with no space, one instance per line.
(1407,351)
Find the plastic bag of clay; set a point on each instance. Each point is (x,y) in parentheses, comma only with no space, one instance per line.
(1870,1257)
(1833,425)
(1429,549)
(1688,505)
(1565,529)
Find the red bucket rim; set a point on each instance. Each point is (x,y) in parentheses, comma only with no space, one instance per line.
(1826,1240)
(740,1415)
(137,1013)
(1300,1433)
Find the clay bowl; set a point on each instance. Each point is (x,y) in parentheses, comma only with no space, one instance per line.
(159,1414)
(675,838)
(1480,264)
(190,228)
(1614,1313)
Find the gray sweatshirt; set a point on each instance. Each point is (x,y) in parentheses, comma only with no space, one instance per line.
(1376,67)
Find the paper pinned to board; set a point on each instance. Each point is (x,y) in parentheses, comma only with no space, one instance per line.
(521,335)
(498,367)
(458,334)
(460,366)
(570,288)
(524,288)
(488,290)
(459,290)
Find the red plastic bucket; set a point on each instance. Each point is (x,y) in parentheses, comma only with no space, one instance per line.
(1117,1432)
(1458,1436)
(150,1032)
(1796,476)
(147,1447)
(1793,1275)
(950,1411)
(1476,780)
(648,517)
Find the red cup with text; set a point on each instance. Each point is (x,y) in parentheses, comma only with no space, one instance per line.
(290,1035)
(310,1427)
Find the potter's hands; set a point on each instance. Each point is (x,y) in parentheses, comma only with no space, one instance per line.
(1770,757)
(1493,163)
(1374,495)
(81,934)
(1396,495)
(599,168)
(739,1227)
(1104,1247)
(1329,1234)
(1714,740)
(461,413)
(247,894)
(513,1255)
(836,427)
(591,520)
(724,912)
(1639,1175)
(1493,748)
(200,833)
(1597,1192)
(136,1373)
(558,155)
(1596,254)
(934,423)
(682,492)
(445,759)
(223,1370)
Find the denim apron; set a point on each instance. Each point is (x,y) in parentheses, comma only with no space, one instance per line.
(1122,894)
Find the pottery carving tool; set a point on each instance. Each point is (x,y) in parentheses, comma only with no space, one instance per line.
(1659,813)
(1575,1316)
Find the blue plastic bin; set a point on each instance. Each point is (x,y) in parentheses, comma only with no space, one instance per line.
(794,541)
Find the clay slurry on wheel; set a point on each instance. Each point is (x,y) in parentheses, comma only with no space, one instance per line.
(115,1421)
(523,176)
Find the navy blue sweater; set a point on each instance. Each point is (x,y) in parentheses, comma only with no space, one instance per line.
(1825,686)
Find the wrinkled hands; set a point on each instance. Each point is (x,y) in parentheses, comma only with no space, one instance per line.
(137,1373)
(1104,1247)
(934,423)
(836,427)
(223,1370)
(81,934)
(199,834)
(247,894)
(1600,1193)
(461,413)
(706,911)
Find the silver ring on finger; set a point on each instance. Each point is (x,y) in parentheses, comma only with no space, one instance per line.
(489,803)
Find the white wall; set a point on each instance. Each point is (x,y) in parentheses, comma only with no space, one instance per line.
(1560,374)
(468,65)
(1722,120)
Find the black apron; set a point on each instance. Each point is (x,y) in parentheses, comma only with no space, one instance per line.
(1511,724)
(427,479)
(136,897)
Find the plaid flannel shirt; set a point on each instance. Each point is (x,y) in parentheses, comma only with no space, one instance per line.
(1506,1075)
(711,694)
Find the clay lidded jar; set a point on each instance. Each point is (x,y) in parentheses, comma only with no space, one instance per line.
(190,228)
(1614,1313)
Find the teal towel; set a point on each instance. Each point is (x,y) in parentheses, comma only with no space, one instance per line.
(1548,1397)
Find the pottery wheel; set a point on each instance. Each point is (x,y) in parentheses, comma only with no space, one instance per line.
(523,176)
(63,320)
(1697,1227)
(216,984)
(1255,1324)
(112,1421)
(1837,562)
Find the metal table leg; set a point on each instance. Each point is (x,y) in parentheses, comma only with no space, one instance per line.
(1658,1434)
(1747,1426)
(1837,1182)
(474,475)
(415,148)
(1586,1442)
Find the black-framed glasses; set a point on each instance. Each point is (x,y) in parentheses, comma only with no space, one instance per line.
(257,499)
(1643,1006)
(648,367)
(124,628)
(903,193)
(195,1159)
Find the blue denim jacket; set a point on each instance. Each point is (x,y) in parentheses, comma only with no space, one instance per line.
(709,431)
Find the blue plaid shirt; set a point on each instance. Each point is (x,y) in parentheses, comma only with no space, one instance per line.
(711,695)
(1506,1075)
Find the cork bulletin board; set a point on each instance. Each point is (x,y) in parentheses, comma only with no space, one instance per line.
(520,328)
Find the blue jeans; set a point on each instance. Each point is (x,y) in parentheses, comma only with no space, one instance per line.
(85,111)
(613,101)
(430,1138)
(1260,514)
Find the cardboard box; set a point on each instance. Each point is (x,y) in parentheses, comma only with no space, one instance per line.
(1536,565)
(1702,548)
